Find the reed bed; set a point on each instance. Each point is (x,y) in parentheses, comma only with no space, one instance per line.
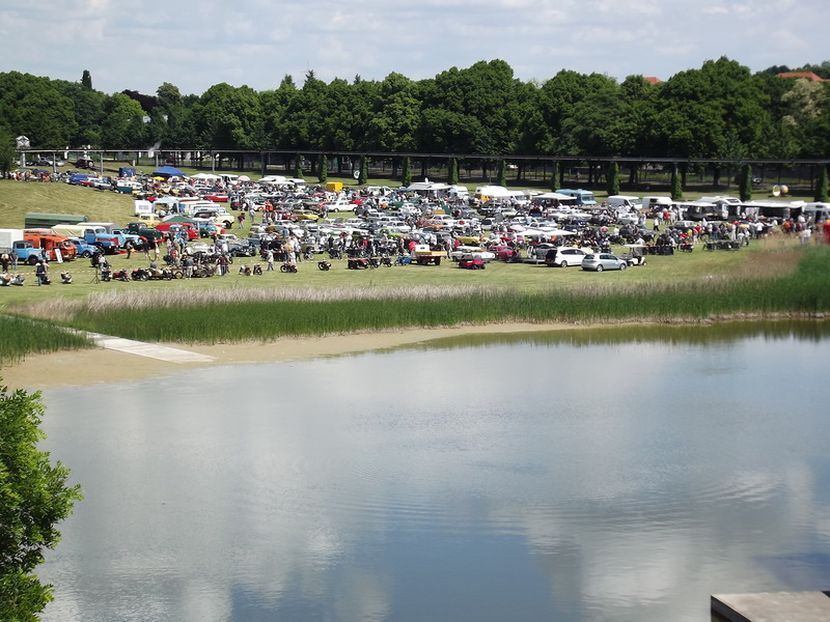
(245,314)
(22,336)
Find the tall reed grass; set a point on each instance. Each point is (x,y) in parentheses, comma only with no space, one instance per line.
(22,336)
(239,315)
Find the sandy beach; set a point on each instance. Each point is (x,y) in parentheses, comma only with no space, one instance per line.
(97,365)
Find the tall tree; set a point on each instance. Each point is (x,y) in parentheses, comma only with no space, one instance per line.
(406,172)
(298,166)
(745,183)
(7,152)
(34,498)
(123,123)
(452,176)
(676,188)
(613,178)
(502,174)
(821,185)
(363,175)
(323,168)
(554,177)
(86,80)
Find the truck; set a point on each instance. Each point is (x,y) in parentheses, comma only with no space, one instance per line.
(54,247)
(8,237)
(425,256)
(91,234)
(26,252)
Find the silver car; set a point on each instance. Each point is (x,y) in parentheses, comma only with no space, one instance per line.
(603,261)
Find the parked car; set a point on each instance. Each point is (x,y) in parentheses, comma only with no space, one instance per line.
(564,257)
(603,261)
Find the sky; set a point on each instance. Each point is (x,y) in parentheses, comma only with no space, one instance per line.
(140,45)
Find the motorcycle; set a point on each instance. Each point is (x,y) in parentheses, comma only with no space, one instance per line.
(324,266)
(288,267)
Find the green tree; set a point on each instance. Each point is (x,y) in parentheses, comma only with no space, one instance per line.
(745,183)
(613,178)
(676,187)
(7,152)
(123,123)
(502,174)
(554,177)
(452,175)
(323,169)
(228,117)
(821,185)
(34,498)
(406,173)
(86,80)
(298,166)
(364,170)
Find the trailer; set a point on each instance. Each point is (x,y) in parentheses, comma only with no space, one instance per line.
(35,219)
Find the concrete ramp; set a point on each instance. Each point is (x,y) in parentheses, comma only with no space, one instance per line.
(772,607)
(148,350)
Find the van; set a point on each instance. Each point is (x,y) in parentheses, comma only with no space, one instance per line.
(583,197)
(650,204)
(624,203)
(141,207)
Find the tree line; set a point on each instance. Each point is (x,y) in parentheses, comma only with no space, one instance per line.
(721,110)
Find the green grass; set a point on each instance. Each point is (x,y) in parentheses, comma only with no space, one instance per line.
(22,336)
(236,317)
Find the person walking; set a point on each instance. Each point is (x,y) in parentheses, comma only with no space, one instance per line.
(269,260)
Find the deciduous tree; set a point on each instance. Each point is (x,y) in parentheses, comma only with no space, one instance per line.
(821,184)
(745,185)
(34,498)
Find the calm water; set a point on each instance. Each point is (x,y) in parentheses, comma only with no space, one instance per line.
(612,475)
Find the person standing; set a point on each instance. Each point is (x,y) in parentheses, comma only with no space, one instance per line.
(269,259)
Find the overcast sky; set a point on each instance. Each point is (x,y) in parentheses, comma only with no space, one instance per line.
(138,45)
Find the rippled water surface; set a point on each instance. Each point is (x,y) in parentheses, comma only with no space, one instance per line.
(612,475)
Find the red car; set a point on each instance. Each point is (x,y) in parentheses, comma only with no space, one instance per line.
(502,252)
(217,197)
(473,263)
(191,230)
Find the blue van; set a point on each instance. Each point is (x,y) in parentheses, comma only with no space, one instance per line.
(583,197)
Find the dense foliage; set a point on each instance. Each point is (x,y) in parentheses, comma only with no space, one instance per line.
(720,110)
(34,498)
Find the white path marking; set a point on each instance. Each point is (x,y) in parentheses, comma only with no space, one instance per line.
(149,350)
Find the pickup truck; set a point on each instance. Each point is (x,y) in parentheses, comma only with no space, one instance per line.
(127,236)
(27,252)
(425,256)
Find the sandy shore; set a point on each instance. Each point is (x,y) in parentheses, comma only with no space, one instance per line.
(85,367)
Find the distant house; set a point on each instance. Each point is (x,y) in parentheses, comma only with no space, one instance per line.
(804,75)
(652,80)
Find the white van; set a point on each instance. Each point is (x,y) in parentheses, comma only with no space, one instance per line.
(623,203)
(142,207)
(650,204)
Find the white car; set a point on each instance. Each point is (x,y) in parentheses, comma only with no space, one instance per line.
(565,256)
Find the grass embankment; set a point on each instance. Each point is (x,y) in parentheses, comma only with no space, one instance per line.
(22,336)
(262,315)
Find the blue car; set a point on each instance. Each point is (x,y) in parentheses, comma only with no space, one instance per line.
(82,248)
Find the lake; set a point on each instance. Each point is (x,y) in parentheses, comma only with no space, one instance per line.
(614,474)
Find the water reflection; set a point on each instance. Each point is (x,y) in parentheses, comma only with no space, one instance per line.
(524,479)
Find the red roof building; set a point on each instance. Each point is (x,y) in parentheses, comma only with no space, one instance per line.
(806,75)
(652,80)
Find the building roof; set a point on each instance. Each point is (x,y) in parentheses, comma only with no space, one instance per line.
(652,79)
(806,75)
